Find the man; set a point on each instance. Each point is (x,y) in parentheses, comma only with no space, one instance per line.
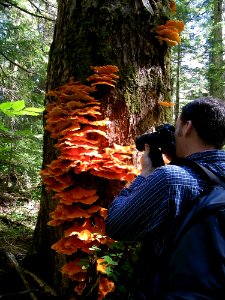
(149,208)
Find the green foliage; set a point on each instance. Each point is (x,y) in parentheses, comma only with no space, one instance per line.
(194,51)
(25,36)
(24,45)
(121,260)
(85,263)
(17,108)
(21,154)
(15,237)
(216,65)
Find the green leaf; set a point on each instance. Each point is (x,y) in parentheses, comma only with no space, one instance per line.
(95,248)
(17,108)
(5,106)
(84,262)
(34,109)
(14,113)
(24,112)
(8,113)
(109,260)
(18,105)
(109,271)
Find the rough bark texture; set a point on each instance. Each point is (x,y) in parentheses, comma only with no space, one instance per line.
(94,33)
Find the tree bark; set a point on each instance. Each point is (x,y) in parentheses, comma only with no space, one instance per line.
(177,103)
(96,33)
(216,59)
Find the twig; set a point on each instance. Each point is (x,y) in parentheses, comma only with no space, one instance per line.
(20,271)
(28,12)
(42,284)
(22,251)
(10,295)
(32,4)
(14,63)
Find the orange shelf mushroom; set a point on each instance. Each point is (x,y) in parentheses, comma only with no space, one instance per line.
(77,195)
(101,265)
(105,286)
(74,121)
(72,244)
(76,272)
(104,75)
(173,6)
(169,32)
(72,268)
(166,103)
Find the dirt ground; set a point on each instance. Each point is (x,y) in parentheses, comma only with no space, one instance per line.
(17,222)
(15,240)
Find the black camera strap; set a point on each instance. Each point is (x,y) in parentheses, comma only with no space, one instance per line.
(204,172)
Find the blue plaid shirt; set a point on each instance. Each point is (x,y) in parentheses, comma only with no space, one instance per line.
(150,203)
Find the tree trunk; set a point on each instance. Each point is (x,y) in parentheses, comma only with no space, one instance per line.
(97,33)
(216,62)
(177,103)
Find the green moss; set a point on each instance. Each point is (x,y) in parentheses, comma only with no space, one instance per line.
(127,72)
(133,101)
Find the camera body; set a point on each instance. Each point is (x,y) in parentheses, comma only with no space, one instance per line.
(160,141)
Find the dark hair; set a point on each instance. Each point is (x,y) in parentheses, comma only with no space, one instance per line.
(208,119)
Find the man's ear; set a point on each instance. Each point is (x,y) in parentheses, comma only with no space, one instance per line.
(188,127)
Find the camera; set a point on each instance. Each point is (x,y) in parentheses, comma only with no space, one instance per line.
(162,141)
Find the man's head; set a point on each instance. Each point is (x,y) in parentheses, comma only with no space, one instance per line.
(201,126)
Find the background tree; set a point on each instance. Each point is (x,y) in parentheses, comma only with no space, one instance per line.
(99,33)
(26,30)
(216,71)
(199,59)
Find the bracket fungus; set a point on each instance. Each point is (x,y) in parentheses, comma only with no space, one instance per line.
(166,103)
(104,75)
(74,268)
(173,7)
(105,286)
(169,32)
(74,121)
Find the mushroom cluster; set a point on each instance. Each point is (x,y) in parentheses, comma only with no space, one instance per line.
(169,32)
(172,7)
(104,75)
(74,121)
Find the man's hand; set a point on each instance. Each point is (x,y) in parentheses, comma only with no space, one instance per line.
(146,163)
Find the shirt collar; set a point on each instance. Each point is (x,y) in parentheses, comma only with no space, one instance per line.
(208,156)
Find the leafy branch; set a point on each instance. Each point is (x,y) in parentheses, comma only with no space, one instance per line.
(11,3)
(17,108)
(16,64)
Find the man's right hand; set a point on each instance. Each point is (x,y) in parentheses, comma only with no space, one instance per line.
(146,163)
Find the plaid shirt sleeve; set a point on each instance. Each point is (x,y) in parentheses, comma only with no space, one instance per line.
(147,203)
(140,208)
(151,203)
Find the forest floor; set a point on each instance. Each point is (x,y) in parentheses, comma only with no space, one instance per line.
(18,216)
(17,220)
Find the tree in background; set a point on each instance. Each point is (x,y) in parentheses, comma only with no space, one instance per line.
(179,54)
(100,33)
(26,30)
(216,70)
(197,62)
